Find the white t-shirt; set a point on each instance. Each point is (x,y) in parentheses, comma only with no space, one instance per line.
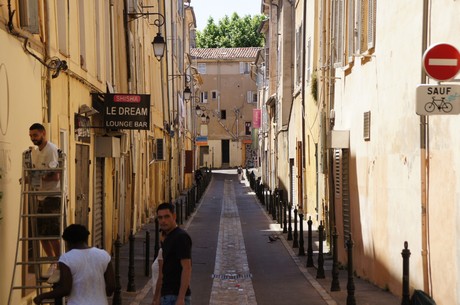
(46,158)
(87,267)
(156,269)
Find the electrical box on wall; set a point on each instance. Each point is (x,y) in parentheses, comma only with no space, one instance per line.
(107,147)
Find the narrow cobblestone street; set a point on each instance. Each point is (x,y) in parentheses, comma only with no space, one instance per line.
(235,263)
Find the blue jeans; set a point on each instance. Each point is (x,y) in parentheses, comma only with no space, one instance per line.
(171,300)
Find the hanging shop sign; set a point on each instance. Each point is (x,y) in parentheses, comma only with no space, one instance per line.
(127,111)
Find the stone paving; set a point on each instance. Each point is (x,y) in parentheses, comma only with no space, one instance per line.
(232,283)
(231,279)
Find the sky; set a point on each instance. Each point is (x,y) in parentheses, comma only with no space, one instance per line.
(219,8)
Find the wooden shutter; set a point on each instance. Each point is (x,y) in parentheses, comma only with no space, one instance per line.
(342,187)
(371,15)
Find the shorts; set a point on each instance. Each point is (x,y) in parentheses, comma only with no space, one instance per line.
(49,226)
(171,300)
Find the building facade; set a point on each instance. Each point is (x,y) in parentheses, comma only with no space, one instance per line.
(62,64)
(224,107)
(359,164)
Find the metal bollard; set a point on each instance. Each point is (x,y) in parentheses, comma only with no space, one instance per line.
(284,217)
(131,273)
(289,237)
(117,293)
(335,284)
(320,270)
(310,244)
(295,243)
(301,248)
(405,280)
(350,284)
(147,253)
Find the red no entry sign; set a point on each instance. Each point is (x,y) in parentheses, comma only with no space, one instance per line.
(441,61)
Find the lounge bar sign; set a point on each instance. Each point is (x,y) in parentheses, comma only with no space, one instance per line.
(127,111)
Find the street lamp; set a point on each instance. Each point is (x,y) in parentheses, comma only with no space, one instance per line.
(187,93)
(158,42)
(159,46)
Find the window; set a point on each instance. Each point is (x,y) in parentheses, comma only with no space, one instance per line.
(247,128)
(28,15)
(298,55)
(204,96)
(338,32)
(223,114)
(214,94)
(245,67)
(81,16)
(61,7)
(351,30)
(251,97)
(202,68)
(371,12)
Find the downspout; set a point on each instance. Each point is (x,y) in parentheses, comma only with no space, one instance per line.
(302,90)
(424,168)
(48,72)
(132,150)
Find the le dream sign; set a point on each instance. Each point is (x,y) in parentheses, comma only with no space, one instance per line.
(127,111)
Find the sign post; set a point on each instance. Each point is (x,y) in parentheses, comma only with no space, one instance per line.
(441,61)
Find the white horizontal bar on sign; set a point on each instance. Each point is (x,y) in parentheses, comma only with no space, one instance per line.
(442,62)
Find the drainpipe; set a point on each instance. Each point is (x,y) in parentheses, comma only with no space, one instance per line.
(304,64)
(424,168)
(48,72)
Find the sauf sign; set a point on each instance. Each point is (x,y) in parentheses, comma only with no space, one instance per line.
(127,111)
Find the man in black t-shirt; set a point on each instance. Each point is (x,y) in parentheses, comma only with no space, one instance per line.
(177,259)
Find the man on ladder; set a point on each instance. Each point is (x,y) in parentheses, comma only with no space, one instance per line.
(45,155)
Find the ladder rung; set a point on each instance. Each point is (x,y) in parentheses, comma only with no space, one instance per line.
(34,169)
(41,262)
(33,287)
(38,193)
(40,238)
(41,215)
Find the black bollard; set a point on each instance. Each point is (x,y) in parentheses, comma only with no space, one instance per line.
(157,239)
(295,243)
(301,248)
(131,273)
(284,217)
(147,253)
(310,244)
(405,280)
(335,284)
(350,284)
(117,293)
(320,270)
(289,237)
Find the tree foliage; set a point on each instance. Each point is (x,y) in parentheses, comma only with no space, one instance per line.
(233,32)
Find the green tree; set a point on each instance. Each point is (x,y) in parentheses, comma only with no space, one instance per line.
(231,32)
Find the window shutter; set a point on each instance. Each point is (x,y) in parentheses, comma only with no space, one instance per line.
(371,14)
(350,30)
(159,148)
(338,33)
(249,97)
(241,67)
(28,15)
(358,26)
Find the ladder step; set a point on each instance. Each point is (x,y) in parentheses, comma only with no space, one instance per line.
(42,193)
(48,260)
(40,238)
(33,287)
(41,215)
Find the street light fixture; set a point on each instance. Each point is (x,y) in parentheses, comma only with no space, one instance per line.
(158,42)
(187,93)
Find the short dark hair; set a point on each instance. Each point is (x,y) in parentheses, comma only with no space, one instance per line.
(166,206)
(75,233)
(37,126)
